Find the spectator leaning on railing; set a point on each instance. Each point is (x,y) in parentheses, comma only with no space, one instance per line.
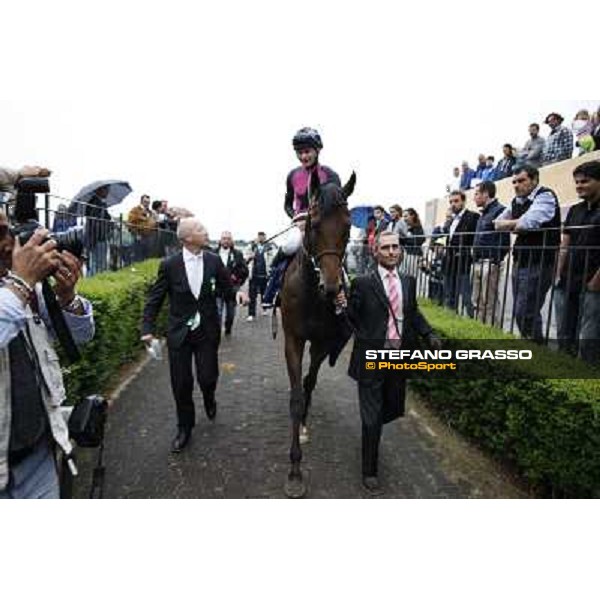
(534,215)
(481,167)
(489,250)
(582,130)
(467,175)
(559,145)
(142,224)
(506,165)
(579,268)
(533,151)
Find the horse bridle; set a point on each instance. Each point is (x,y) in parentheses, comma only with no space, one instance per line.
(315,259)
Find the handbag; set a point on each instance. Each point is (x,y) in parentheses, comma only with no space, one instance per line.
(86,428)
(87,421)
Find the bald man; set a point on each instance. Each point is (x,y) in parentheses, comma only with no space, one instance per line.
(237,269)
(193,279)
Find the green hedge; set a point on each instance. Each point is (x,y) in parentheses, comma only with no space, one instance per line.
(549,429)
(118,299)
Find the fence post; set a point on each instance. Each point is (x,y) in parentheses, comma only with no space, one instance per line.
(47,210)
(121,240)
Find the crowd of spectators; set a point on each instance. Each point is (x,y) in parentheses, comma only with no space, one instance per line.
(582,135)
(548,260)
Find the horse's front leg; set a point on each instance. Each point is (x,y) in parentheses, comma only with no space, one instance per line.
(294,349)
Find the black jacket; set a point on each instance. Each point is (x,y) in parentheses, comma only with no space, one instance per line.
(236,266)
(172,281)
(368,311)
(457,258)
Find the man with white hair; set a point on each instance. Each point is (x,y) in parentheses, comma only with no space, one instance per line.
(192,278)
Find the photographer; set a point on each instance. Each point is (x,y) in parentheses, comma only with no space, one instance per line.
(31,384)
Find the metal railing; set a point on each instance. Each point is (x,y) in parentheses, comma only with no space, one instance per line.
(507,285)
(111,244)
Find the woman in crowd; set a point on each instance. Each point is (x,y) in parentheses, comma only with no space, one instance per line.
(416,235)
(583,127)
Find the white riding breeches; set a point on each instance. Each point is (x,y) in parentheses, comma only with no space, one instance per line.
(292,241)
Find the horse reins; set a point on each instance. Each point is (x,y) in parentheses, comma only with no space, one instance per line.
(315,259)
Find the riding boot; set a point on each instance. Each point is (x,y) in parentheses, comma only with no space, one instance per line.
(278,267)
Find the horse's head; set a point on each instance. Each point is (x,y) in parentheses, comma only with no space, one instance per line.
(328,230)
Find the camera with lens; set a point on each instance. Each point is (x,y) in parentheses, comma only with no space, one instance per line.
(25,218)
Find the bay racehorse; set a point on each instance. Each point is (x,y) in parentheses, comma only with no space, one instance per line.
(311,284)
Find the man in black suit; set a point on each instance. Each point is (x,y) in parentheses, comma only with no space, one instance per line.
(460,226)
(192,279)
(383,310)
(236,267)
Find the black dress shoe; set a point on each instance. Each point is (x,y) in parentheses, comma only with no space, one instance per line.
(210,406)
(372,485)
(181,439)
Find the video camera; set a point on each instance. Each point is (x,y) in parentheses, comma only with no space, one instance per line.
(25,218)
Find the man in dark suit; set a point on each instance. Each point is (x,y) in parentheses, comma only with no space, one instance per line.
(460,226)
(192,279)
(236,268)
(383,310)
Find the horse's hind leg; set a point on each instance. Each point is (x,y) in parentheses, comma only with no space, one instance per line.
(294,349)
(318,353)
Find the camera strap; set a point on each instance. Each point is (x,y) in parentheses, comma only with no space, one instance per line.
(57,318)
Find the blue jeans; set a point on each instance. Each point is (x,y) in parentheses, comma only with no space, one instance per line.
(530,286)
(589,335)
(34,477)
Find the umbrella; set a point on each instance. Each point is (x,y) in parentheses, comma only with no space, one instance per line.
(117,190)
(360,215)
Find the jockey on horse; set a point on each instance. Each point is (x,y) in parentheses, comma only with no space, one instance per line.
(307,144)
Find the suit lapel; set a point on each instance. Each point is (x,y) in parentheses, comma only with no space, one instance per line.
(378,289)
(404,283)
(206,275)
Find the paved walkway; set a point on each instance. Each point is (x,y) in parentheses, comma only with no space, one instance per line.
(244,453)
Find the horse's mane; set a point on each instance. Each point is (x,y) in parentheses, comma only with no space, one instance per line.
(330,196)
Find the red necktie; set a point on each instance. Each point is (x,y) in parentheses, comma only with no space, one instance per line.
(394,298)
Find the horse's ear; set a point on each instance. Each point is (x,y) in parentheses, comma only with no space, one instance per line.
(314,186)
(349,187)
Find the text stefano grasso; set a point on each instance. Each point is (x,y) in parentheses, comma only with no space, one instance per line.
(391,354)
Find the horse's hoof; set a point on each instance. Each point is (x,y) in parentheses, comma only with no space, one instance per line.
(295,488)
(304,436)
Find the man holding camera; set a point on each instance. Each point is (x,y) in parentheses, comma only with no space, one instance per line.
(31,384)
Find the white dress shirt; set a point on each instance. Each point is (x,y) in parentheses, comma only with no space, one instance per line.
(455,222)
(194,268)
(224,254)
